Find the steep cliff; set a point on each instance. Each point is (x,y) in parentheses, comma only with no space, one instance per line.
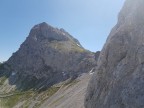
(119,78)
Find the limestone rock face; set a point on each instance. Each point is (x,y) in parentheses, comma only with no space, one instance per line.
(119,78)
(49,55)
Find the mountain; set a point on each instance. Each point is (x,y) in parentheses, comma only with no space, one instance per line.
(51,69)
(119,78)
(48,56)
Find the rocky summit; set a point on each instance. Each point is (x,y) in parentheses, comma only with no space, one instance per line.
(48,55)
(119,78)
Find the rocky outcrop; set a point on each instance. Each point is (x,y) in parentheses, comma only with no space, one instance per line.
(97,55)
(119,77)
(48,55)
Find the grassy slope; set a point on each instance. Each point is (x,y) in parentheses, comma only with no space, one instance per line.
(32,98)
(12,99)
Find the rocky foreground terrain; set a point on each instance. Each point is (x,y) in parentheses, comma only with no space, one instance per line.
(119,79)
(70,96)
(67,94)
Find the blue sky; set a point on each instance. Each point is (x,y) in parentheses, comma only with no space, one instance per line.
(90,21)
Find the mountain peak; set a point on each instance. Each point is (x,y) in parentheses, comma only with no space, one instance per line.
(42,25)
(44,31)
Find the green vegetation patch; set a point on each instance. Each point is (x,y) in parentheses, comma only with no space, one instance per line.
(70,83)
(2,80)
(10,100)
(77,48)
